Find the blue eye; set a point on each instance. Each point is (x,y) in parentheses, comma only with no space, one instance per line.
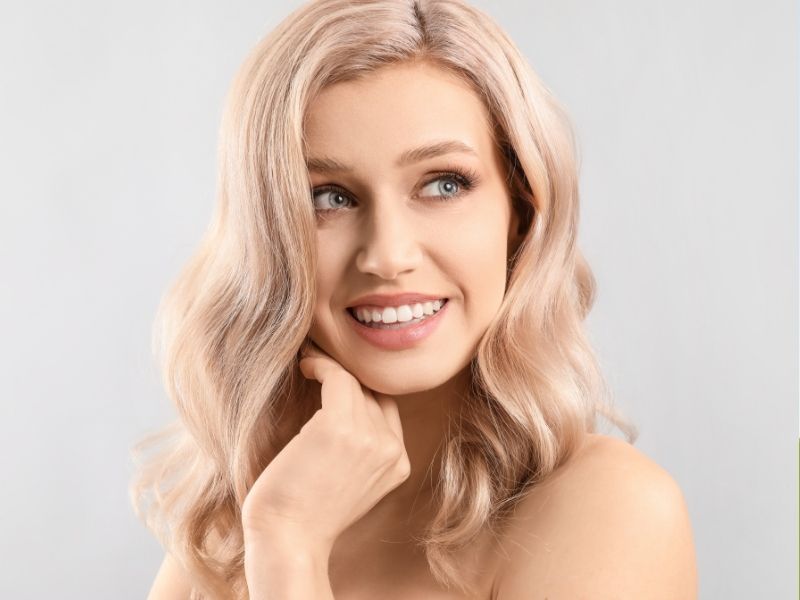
(337,197)
(464,181)
(447,188)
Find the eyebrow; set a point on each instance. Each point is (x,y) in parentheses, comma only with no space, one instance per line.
(324,164)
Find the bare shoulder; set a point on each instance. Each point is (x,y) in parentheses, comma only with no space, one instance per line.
(609,523)
(170,583)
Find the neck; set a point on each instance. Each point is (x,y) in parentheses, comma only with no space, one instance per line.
(425,417)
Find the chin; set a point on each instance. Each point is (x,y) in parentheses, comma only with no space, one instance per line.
(399,389)
(394,383)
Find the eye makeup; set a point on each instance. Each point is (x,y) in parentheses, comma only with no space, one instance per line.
(466,179)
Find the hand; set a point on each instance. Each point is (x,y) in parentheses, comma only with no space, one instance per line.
(347,457)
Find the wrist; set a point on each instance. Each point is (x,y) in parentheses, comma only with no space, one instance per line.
(272,554)
(278,567)
(281,532)
(285,545)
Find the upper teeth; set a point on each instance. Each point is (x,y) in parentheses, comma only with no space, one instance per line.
(397,314)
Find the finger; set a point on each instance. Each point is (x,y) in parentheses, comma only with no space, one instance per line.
(365,412)
(317,361)
(391,414)
(310,349)
(337,388)
(372,410)
(311,352)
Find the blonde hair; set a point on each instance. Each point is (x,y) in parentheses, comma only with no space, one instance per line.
(229,329)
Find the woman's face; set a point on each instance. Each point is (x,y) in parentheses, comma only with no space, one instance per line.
(395,226)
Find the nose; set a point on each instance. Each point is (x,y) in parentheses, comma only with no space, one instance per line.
(389,245)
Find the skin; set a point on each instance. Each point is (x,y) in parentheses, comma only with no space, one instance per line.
(608,523)
(357,468)
(392,234)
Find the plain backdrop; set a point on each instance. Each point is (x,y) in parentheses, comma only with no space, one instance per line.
(686,114)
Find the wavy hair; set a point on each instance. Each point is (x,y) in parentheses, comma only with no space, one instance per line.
(230,327)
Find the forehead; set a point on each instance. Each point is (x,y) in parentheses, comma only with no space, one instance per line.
(394,109)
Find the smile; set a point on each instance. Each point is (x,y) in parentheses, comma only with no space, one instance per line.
(399,335)
(382,316)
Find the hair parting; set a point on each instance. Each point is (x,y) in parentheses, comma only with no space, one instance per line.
(229,329)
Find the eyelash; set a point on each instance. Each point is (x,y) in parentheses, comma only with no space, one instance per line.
(467,179)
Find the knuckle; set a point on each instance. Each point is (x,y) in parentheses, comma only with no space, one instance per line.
(335,430)
(391,451)
(365,442)
(341,433)
(404,468)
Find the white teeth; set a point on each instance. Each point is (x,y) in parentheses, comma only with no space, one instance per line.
(405,313)
(398,314)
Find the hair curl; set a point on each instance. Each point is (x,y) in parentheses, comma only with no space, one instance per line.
(229,328)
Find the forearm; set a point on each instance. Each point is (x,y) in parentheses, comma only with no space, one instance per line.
(284,571)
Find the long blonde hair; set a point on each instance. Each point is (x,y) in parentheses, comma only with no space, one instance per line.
(229,329)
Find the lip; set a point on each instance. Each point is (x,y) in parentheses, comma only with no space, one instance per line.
(399,339)
(393,299)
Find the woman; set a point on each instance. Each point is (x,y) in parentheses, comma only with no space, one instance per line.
(377,354)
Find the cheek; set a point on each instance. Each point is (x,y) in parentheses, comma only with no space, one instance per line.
(486,280)
(328,280)
(330,267)
(482,236)
(324,329)
(477,258)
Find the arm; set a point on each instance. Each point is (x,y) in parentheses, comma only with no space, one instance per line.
(282,566)
(345,458)
(282,573)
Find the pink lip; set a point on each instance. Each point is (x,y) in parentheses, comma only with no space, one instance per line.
(393,299)
(398,339)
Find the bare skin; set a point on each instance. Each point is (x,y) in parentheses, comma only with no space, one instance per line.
(333,513)
(609,523)
(443,225)
(393,234)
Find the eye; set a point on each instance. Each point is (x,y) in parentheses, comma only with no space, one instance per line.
(447,185)
(336,198)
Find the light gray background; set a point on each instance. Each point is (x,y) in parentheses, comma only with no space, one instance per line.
(687,118)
